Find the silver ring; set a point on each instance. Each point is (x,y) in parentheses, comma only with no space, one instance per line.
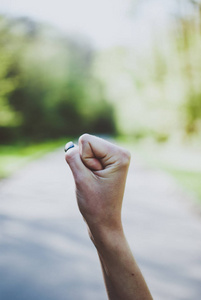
(68,146)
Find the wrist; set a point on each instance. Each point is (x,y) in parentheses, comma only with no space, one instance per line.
(105,239)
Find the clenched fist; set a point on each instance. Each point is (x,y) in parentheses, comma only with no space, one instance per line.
(100,170)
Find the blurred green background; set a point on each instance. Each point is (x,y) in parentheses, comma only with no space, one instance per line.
(145,91)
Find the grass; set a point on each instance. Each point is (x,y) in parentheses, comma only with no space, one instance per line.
(13,157)
(182,162)
(189,179)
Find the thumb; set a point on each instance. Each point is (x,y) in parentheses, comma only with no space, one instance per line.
(75,163)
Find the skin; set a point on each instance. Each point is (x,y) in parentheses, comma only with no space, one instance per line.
(100,170)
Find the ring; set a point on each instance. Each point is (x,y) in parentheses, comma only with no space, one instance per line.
(68,146)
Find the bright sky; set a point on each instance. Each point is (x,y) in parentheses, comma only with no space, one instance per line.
(105,22)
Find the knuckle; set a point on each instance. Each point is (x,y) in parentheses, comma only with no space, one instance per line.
(125,157)
(84,137)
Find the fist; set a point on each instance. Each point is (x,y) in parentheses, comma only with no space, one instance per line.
(100,170)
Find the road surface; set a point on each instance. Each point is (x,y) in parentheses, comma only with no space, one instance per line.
(45,252)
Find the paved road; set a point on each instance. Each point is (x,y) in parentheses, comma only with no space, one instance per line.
(45,252)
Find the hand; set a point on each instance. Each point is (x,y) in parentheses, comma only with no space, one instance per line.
(100,170)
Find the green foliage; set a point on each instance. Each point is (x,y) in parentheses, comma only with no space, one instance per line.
(8,80)
(53,85)
(193,112)
(156,90)
(48,86)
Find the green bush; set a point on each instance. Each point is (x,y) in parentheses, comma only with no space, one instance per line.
(55,92)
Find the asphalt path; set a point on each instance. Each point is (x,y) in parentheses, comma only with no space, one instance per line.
(45,252)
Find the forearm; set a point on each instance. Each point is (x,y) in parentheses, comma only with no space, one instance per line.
(108,284)
(100,169)
(122,276)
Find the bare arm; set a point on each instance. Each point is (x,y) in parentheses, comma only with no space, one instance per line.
(100,169)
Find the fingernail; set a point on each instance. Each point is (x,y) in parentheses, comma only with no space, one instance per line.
(68,146)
